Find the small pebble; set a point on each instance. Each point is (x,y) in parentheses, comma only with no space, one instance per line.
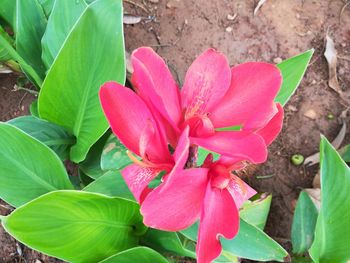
(330,116)
(292,108)
(231,18)
(297,15)
(154,1)
(343,44)
(311,114)
(277,60)
(313,82)
(229,29)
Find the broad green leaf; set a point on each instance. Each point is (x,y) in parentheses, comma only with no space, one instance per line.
(293,70)
(110,184)
(165,242)
(91,166)
(91,55)
(52,135)
(248,237)
(304,222)
(332,233)
(135,255)
(30,27)
(256,212)
(4,54)
(77,226)
(64,15)
(47,5)
(28,168)
(6,45)
(114,154)
(8,11)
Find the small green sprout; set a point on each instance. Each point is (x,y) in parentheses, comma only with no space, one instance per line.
(297,159)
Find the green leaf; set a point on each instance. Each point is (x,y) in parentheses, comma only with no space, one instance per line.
(34,109)
(77,226)
(110,184)
(28,168)
(165,242)
(248,237)
(6,45)
(332,234)
(91,166)
(30,27)
(52,135)
(114,155)
(304,222)
(4,54)
(47,5)
(63,17)
(72,101)
(293,70)
(8,11)
(256,212)
(136,254)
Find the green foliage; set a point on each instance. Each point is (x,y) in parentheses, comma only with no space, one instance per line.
(345,153)
(114,154)
(62,19)
(136,254)
(28,168)
(165,242)
(47,5)
(256,212)
(29,29)
(332,233)
(248,237)
(77,226)
(110,184)
(8,11)
(72,101)
(304,223)
(52,135)
(293,70)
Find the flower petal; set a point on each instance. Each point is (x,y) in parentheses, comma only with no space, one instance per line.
(219,217)
(235,144)
(182,149)
(206,82)
(137,178)
(177,204)
(131,120)
(273,127)
(240,191)
(254,86)
(155,84)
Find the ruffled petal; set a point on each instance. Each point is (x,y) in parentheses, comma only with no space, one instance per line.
(177,204)
(182,149)
(131,120)
(206,82)
(155,84)
(137,178)
(219,217)
(240,191)
(254,86)
(273,127)
(235,144)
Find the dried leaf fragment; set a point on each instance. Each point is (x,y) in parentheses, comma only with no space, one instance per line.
(131,20)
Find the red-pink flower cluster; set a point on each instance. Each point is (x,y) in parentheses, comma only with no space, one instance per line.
(158,117)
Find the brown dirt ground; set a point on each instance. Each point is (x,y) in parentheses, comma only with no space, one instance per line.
(181,30)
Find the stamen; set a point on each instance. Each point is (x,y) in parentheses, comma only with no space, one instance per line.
(137,161)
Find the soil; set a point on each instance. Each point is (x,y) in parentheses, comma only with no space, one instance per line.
(180,30)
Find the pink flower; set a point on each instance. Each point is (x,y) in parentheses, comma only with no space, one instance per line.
(213,96)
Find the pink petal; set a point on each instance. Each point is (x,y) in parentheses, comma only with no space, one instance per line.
(219,217)
(240,191)
(206,82)
(273,127)
(254,86)
(131,121)
(235,144)
(137,178)
(176,205)
(155,84)
(181,151)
